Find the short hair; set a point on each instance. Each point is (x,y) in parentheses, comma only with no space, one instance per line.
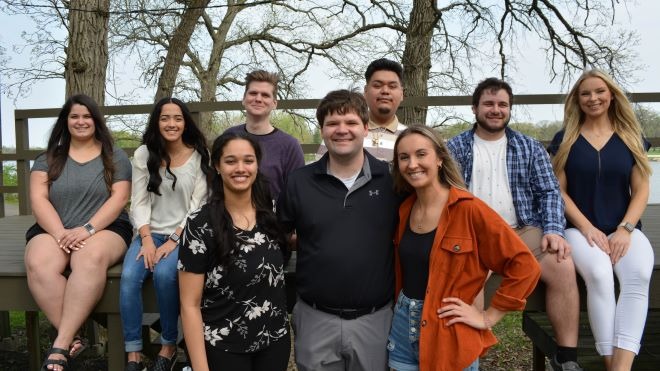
(262,76)
(342,101)
(491,84)
(384,64)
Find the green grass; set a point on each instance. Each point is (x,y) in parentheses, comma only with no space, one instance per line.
(17,319)
(514,349)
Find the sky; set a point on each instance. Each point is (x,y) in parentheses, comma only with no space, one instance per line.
(530,77)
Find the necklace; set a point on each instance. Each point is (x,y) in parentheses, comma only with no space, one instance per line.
(243,221)
(419,216)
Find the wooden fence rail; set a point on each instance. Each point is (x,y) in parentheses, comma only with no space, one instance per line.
(24,154)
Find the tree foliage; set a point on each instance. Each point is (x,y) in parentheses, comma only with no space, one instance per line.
(202,49)
(649,119)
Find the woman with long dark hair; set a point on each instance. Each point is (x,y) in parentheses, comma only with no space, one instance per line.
(78,190)
(603,171)
(446,243)
(231,268)
(169,181)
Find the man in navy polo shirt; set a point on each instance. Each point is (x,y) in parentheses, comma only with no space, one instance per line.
(343,209)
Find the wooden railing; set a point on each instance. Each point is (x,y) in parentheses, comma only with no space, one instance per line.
(24,154)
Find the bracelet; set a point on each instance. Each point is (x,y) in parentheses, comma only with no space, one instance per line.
(145,235)
(487,323)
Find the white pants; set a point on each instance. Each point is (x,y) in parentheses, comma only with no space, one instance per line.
(613,324)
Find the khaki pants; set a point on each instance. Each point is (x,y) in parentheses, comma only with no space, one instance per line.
(325,342)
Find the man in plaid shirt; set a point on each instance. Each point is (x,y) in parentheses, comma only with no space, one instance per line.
(512,173)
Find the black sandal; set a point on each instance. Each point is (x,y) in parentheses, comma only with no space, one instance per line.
(82,345)
(58,362)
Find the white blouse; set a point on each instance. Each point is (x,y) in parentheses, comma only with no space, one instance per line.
(170,210)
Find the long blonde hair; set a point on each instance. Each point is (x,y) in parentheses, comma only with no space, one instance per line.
(449,174)
(621,115)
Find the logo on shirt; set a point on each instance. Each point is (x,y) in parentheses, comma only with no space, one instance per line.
(373,193)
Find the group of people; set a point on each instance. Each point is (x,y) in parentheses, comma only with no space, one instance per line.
(396,230)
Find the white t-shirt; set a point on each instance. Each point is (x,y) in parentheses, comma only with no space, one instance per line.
(490,180)
(348,182)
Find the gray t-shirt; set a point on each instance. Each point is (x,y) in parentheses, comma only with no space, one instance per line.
(80,190)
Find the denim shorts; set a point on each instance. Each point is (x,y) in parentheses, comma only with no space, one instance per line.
(403,342)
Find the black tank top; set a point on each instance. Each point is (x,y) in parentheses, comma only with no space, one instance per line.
(415,255)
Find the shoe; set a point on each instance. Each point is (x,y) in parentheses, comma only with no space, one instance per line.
(135,366)
(165,364)
(566,366)
(56,362)
(78,345)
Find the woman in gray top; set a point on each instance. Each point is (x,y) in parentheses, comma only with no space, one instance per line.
(78,190)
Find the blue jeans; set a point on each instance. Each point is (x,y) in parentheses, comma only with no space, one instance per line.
(403,342)
(133,276)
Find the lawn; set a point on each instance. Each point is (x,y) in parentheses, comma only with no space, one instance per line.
(512,353)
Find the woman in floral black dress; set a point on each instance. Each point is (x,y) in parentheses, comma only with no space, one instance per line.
(231,268)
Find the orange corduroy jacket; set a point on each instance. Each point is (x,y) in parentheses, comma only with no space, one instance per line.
(470,239)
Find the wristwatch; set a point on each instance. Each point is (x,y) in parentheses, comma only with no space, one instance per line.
(627,226)
(89,228)
(174,237)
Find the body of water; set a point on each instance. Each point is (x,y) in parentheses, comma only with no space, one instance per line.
(654,194)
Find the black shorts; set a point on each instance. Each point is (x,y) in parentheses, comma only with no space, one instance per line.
(121,227)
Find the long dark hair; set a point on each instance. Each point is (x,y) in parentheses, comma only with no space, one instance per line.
(59,142)
(192,137)
(221,222)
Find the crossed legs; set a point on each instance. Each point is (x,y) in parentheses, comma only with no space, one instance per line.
(67,302)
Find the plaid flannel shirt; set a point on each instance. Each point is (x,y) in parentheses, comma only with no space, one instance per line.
(534,187)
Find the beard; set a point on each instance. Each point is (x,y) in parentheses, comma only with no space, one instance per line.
(491,129)
(384,110)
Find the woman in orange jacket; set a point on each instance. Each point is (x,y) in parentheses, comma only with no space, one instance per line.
(446,243)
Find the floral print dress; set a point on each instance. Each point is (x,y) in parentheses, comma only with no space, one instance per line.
(243,303)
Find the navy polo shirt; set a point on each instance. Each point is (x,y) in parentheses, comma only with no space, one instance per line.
(598,181)
(345,252)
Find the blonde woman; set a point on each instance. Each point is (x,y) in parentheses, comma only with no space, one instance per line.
(603,171)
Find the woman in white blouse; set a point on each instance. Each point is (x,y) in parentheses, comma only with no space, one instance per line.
(169,181)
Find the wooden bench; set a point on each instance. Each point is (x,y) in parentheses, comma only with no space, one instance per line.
(537,327)
(17,297)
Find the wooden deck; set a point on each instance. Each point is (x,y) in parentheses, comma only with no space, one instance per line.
(16,296)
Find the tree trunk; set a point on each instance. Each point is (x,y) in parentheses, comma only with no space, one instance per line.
(87,51)
(209,79)
(178,47)
(417,58)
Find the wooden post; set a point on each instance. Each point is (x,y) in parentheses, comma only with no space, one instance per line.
(23,166)
(5,325)
(32,332)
